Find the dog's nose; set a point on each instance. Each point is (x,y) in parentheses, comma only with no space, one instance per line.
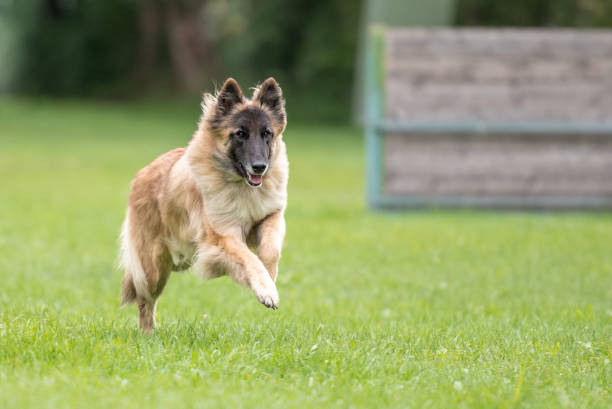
(259,167)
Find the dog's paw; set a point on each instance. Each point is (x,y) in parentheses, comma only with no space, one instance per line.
(267,295)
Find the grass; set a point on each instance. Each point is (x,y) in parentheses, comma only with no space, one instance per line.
(430,309)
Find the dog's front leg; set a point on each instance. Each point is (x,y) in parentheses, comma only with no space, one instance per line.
(270,236)
(243,266)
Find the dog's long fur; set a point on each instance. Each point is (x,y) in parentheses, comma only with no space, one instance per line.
(191,206)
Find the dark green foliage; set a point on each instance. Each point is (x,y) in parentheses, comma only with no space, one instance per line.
(88,47)
(535,13)
(76,47)
(309,45)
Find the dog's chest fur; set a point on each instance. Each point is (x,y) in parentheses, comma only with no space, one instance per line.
(238,205)
(227,207)
(226,211)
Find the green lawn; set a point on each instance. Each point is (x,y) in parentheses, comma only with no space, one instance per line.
(427,309)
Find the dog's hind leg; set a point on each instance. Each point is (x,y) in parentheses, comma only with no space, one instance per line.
(146,315)
(158,271)
(147,304)
(147,267)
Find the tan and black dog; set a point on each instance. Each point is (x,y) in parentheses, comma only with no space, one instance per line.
(213,204)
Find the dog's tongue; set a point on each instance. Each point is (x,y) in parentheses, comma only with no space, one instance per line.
(255,179)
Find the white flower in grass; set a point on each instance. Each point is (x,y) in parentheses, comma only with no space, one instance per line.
(458,386)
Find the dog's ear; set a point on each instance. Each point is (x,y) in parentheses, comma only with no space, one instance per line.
(270,94)
(228,97)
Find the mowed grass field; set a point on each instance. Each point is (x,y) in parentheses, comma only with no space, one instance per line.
(423,309)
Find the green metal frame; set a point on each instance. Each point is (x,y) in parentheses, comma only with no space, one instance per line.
(376,126)
(492,128)
(374,74)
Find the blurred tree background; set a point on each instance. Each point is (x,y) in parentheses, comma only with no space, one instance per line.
(120,48)
(136,48)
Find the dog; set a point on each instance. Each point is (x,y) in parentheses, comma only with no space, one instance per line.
(216,206)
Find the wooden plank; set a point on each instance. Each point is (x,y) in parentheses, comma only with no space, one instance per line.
(403,43)
(501,102)
(527,165)
(479,69)
(497,75)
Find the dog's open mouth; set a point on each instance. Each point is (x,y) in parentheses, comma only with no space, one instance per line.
(251,179)
(254,180)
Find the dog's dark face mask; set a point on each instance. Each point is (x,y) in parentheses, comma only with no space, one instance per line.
(250,127)
(251,144)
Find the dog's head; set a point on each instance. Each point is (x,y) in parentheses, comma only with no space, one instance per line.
(246,131)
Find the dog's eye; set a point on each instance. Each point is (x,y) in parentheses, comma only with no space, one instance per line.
(241,134)
(266,132)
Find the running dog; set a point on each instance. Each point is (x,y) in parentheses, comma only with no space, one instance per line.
(216,206)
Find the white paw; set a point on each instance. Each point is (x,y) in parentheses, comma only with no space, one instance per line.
(267,295)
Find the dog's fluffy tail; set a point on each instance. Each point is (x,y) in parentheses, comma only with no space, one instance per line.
(128,291)
(134,279)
